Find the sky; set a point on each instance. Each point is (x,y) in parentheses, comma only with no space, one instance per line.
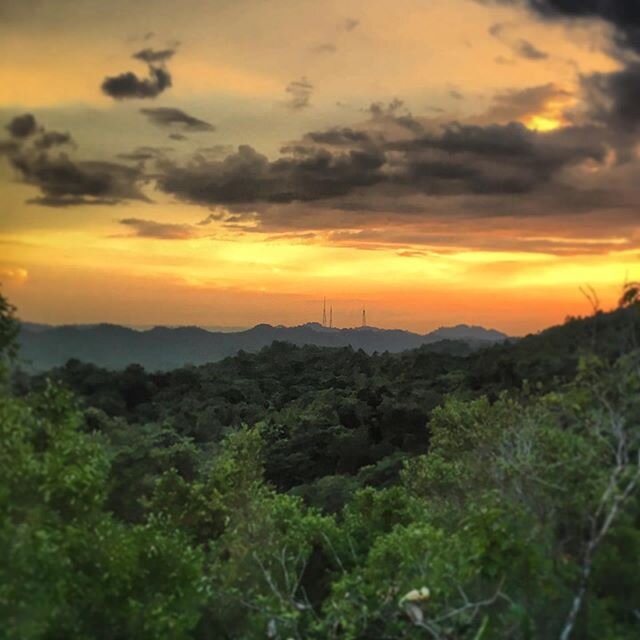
(231,162)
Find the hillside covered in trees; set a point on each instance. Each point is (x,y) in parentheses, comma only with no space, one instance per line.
(446,492)
(113,346)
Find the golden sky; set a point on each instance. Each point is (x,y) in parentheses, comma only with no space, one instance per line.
(230,162)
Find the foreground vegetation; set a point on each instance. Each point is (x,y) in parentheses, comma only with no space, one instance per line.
(325,493)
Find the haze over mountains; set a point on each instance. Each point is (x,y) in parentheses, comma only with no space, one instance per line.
(115,346)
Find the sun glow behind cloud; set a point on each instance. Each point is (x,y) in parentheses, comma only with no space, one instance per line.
(543,123)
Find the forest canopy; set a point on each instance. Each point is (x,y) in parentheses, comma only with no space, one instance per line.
(307,492)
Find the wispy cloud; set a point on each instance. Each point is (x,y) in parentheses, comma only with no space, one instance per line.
(171,117)
(299,94)
(141,228)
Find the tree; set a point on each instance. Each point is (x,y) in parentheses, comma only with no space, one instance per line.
(69,569)
(9,329)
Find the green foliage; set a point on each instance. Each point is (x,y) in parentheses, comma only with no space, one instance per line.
(68,568)
(311,494)
(9,330)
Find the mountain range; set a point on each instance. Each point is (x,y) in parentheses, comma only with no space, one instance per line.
(163,348)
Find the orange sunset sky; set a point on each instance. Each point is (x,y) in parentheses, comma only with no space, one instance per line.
(230,162)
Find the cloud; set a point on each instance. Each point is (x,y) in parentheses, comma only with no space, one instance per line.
(615,94)
(150,56)
(350,24)
(300,92)
(497,29)
(329,166)
(22,126)
(394,114)
(522,48)
(217,150)
(217,216)
(63,181)
(526,49)
(518,104)
(615,98)
(57,202)
(325,47)
(396,168)
(25,130)
(7,147)
(178,136)
(247,176)
(168,117)
(128,85)
(338,136)
(623,15)
(141,228)
(142,154)
(49,139)
(493,159)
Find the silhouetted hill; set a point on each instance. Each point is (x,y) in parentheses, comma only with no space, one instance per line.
(114,346)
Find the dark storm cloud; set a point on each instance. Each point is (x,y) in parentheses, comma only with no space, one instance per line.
(63,181)
(158,230)
(128,85)
(300,92)
(615,97)
(168,117)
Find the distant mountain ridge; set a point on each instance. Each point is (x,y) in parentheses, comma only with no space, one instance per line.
(161,348)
